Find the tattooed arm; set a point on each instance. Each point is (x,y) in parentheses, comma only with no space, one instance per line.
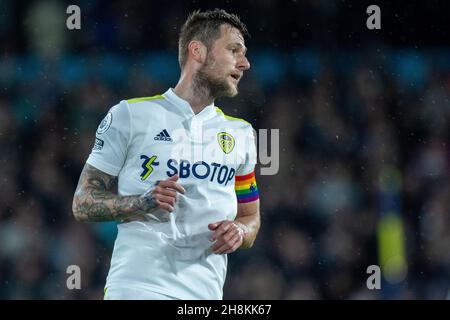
(96,198)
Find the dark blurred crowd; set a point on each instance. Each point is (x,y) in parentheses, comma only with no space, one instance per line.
(344,115)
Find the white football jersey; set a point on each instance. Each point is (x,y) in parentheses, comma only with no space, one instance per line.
(144,140)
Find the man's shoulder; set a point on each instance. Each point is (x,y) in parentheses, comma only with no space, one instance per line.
(136,110)
(140,100)
(143,106)
(136,103)
(236,122)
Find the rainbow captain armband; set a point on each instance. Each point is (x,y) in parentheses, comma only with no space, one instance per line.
(246,188)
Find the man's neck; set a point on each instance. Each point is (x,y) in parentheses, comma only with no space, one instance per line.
(197,96)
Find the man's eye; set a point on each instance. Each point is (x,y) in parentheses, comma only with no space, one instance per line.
(233,50)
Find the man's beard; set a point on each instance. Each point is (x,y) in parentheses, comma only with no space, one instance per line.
(207,84)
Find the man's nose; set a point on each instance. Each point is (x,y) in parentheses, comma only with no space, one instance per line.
(244,64)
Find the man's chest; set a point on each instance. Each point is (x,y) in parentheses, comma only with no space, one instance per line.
(196,151)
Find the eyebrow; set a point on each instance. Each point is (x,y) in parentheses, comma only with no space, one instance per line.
(239,45)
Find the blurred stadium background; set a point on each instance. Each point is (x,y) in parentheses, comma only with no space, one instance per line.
(364,156)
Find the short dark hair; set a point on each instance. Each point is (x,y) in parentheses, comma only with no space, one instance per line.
(205,27)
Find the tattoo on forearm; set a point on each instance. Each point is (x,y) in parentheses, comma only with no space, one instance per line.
(96,198)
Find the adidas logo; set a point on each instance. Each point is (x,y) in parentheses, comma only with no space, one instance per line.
(163,136)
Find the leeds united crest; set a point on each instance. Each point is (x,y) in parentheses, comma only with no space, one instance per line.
(226,142)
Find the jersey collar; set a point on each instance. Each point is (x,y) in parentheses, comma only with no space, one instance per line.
(185,108)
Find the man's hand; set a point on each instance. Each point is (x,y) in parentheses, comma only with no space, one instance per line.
(162,195)
(228,236)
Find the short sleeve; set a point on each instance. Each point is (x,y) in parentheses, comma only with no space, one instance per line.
(111,140)
(245,185)
(251,155)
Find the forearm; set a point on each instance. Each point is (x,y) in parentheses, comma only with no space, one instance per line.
(100,206)
(96,198)
(251,224)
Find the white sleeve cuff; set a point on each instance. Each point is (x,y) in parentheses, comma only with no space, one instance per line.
(103,166)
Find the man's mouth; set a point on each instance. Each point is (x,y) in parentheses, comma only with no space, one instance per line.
(235,77)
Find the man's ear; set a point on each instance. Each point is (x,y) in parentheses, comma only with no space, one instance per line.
(197,51)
